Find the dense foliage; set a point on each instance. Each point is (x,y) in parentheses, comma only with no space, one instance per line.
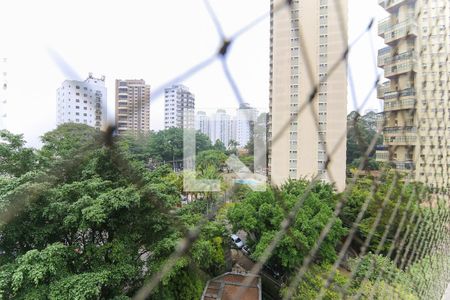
(361,130)
(91,216)
(261,213)
(84,220)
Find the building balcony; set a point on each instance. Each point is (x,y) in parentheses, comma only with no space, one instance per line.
(394,32)
(382,89)
(409,93)
(400,139)
(383,26)
(390,59)
(382,155)
(399,130)
(401,65)
(391,5)
(403,165)
(383,55)
(394,105)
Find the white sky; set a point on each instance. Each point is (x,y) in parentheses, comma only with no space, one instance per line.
(149,39)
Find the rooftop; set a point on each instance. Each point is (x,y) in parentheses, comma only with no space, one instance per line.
(229,285)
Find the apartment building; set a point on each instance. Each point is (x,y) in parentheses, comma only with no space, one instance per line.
(202,123)
(82,102)
(221,127)
(416,107)
(132,106)
(305,41)
(242,128)
(179,107)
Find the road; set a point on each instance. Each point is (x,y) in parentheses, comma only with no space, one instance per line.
(271,287)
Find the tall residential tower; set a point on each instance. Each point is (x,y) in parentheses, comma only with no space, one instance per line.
(306,40)
(416,97)
(132,106)
(202,123)
(82,102)
(221,127)
(245,118)
(179,107)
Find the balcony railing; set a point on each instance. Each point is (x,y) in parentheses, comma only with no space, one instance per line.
(393,105)
(399,57)
(393,4)
(400,95)
(400,66)
(399,130)
(405,139)
(382,155)
(383,26)
(404,165)
(383,54)
(382,89)
(400,30)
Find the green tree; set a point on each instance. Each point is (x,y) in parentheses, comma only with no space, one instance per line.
(360,132)
(390,194)
(166,145)
(15,158)
(219,146)
(313,282)
(260,215)
(101,232)
(211,158)
(69,139)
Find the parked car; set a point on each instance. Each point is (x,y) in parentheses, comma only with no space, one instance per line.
(246,250)
(237,241)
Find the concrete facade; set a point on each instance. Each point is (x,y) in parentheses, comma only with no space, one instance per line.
(179,107)
(298,141)
(82,102)
(132,106)
(416,107)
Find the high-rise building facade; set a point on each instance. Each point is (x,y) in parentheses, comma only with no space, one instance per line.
(245,117)
(179,107)
(132,106)
(221,127)
(202,123)
(82,102)
(416,97)
(306,40)
(3,92)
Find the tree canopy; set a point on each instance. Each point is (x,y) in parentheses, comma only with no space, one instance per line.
(100,231)
(261,213)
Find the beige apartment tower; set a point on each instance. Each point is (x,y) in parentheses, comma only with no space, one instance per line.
(132,106)
(299,141)
(416,97)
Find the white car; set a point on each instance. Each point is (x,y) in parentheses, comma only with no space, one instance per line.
(237,241)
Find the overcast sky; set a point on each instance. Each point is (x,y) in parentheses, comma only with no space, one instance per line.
(155,40)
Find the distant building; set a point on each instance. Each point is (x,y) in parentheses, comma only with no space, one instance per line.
(179,107)
(3,92)
(231,285)
(243,122)
(132,106)
(221,127)
(202,123)
(82,102)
